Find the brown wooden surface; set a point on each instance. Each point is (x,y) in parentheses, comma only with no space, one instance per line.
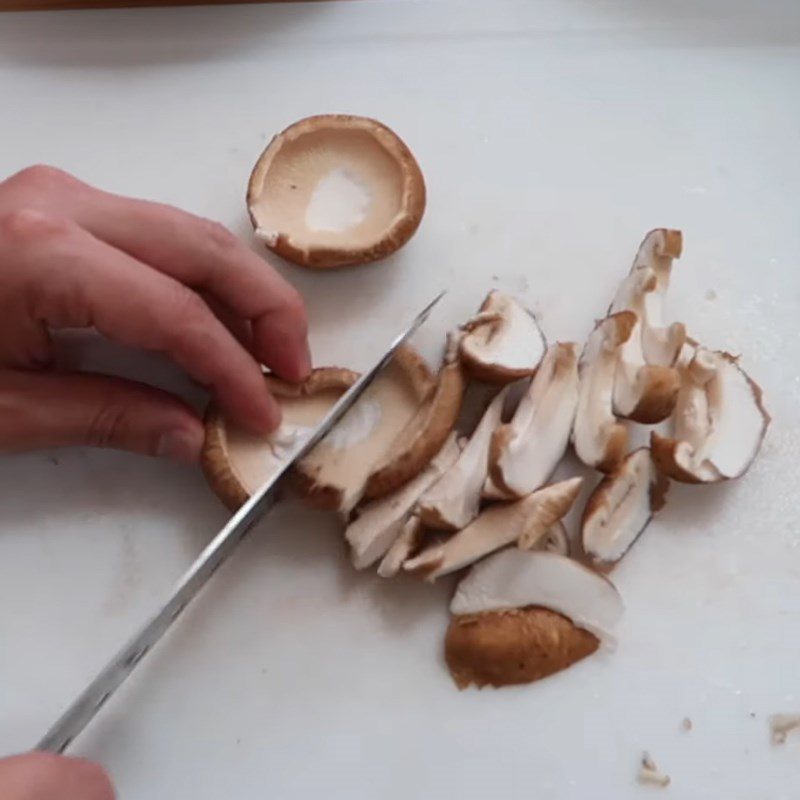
(43,5)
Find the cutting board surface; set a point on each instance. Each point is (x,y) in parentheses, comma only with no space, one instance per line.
(552,136)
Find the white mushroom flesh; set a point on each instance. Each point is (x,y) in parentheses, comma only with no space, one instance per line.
(504,335)
(381,522)
(403,547)
(529,447)
(453,501)
(527,520)
(644,291)
(621,507)
(516,579)
(596,428)
(719,421)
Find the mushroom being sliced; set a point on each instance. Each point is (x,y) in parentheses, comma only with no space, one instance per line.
(334,474)
(237,462)
(503,342)
(556,540)
(600,440)
(526,451)
(719,422)
(453,501)
(527,520)
(382,521)
(621,507)
(423,436)
(521,616)
(334,190)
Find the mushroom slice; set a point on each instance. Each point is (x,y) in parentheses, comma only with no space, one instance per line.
(600,440)
(503,342)
(403,547)
(527,520)
(237,462)
(453,501)
(526,451)
(644,290)
(521,616)
(621,507)
(424,434)
(557,540)
(719,422)
(334,190)
(381,522)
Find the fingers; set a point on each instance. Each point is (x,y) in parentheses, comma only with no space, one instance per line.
(67,278)
(44,776)
(205,255)
(194,251)
(61,409)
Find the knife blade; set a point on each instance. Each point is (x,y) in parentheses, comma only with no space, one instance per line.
(113,675)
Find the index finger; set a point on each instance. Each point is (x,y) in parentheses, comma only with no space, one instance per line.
(203,254)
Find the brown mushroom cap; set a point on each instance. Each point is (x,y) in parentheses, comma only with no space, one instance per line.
(335,190)
(511,646)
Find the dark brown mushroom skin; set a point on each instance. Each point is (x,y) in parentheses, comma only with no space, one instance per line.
(513,646)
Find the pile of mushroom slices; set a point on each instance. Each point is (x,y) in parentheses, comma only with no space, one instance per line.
(423,492)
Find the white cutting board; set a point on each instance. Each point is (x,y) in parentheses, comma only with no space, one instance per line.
(552,136)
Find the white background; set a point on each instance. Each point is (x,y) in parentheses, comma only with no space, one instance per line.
(552,136)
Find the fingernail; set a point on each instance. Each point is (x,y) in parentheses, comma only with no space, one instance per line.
(305,362)
(180,445)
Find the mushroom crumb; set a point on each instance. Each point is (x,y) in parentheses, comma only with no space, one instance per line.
(686,724)
(782,725)
(649,772)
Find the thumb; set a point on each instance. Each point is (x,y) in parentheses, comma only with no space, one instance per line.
(54,409)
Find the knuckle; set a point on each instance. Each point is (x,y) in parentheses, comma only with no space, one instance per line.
(190,318)
(41,177)
(28,225)
(219,237)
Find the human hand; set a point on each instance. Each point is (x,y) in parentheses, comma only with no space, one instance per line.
(72,256)
(44,776)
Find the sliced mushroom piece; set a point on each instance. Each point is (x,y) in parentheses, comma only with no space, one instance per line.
(527,520)
(503,342)
(719,422)
(237,462)
(453,501)
(382,521)
(334,190)
(521,616)
(404,547)
(600,440)
(621,507)
(424,434)
(526,451)
(644,291)
(557,540)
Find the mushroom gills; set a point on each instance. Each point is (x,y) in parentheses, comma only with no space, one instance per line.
(526,520)
(333,190)
(525,452)
(453,501)
(621,507)
(381,522)
(503,342)
(719,422)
